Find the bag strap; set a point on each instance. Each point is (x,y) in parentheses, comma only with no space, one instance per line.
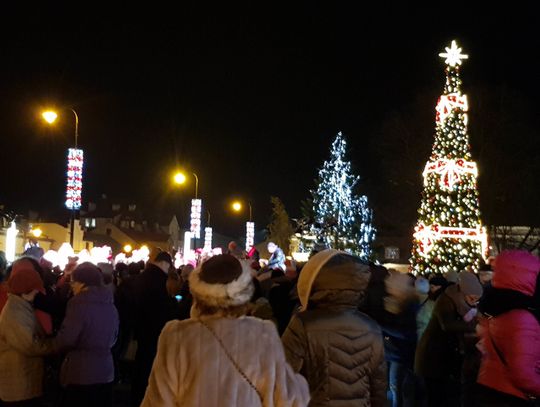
(231,359)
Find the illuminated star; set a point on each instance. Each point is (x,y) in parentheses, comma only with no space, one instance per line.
(453,55)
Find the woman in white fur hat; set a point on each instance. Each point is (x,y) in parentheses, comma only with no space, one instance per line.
(220,357)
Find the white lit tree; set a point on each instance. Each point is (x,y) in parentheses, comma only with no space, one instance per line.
(342,219)
(449,233)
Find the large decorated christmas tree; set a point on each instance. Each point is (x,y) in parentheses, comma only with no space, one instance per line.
(449,233)
(342,218)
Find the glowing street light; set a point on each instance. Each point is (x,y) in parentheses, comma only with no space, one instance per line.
(128,248)
(179,178)
(236,206)
(49,116)
(37,232)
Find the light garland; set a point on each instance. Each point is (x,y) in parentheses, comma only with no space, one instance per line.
(447,103)
(427,236)
(74,179)
(11,242)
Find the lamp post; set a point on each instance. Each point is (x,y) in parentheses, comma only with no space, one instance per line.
(250,225)
(75,163)
(196,206)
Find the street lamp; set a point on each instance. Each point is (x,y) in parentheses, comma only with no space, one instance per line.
(196,206)
(74,171)
(250,225)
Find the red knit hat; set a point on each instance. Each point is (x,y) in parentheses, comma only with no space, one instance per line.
(24,278)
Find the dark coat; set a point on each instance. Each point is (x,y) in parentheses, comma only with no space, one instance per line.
(440,350)
(87,335)
(336,347)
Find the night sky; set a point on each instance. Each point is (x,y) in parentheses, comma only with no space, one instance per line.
(250,98)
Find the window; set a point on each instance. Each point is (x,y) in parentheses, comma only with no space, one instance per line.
(391,253)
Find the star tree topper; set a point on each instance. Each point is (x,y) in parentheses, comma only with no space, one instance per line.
(453,55)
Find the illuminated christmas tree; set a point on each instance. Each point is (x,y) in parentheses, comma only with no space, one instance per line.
(449,233)
(342,219)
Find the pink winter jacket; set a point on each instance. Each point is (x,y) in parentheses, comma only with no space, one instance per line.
(511,341)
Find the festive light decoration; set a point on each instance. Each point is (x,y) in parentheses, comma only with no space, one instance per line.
(74,178)
(196,208)
(449,234)
(187,245)
(453,55)
(11,242)
(250,235)
(343,219)
(450,171)
(207,239)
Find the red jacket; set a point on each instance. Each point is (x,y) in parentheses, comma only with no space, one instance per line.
(511,341)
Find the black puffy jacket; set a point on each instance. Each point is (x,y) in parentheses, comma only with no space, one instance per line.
(336,347)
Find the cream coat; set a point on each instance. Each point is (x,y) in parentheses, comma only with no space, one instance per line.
(191,369)
(21,353)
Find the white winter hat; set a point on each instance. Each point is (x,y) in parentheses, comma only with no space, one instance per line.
(222,281)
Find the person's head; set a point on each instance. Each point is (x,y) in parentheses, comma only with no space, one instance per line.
(84,276)
(24,277)
(516,270)
(232,246)
(470,287)
(186,271)
(422,285)
(222,286)
(272,247)
(333,277)
(451,277)
(164,261)
(107,271)
(436,283)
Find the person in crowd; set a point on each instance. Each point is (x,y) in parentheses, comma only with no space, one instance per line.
(277,257)
(373,303)
(336,347)
(234,250)
(213,358)
(510,333)
(86,337)
(485,274)
(154,307)
(439,354)
(399,332)
(435,286)
(254,256)
(22,340)
(186,298)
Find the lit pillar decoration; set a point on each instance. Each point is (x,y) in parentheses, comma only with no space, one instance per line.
(196,207)
(74,179)
(187,245)
(250,235)
(449,235)
(11,242)
(207,239)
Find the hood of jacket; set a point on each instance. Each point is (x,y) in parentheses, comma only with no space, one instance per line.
(516,270)
(333,278)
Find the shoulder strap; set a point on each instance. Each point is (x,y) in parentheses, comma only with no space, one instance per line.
(231,359)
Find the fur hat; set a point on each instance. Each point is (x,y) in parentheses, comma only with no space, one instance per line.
(222,281)
(88,274)
(469,284)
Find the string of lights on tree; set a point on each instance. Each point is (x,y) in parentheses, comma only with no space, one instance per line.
(449,234)
(343,219)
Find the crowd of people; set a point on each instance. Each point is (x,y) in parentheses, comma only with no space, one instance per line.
(236,331)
